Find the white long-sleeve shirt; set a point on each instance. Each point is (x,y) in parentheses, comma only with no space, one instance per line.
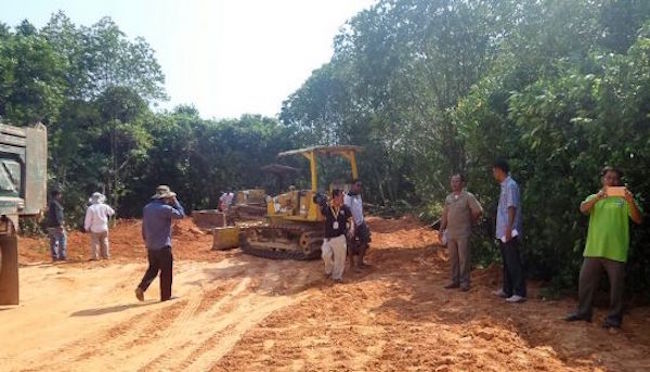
(354,202)
(97,217)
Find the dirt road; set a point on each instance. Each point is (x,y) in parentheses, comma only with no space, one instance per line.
(241,313)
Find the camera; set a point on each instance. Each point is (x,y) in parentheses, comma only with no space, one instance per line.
(320,199)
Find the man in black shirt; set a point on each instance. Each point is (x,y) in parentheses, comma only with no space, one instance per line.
(337,217)
(55,228)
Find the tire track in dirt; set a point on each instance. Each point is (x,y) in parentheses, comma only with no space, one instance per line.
(159,333)
(249,313)
(138,332)
(195,331)
(73,349)
(154,324)
(212,349)
(100,344)
(312,334)
(251,301)
(277,292)
(96,347)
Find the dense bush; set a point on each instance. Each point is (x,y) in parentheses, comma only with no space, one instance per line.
(560,88)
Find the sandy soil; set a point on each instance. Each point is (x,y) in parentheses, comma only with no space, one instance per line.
(240,313)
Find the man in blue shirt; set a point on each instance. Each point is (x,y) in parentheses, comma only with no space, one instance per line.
(509,234)
(156,232)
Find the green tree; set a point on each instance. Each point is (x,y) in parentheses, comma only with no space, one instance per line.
(113,60)
(31,78)
(123,136)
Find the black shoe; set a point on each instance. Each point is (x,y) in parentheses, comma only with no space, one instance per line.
(464,289)
(139,294)
(452,286)
(607,324)
(575,317)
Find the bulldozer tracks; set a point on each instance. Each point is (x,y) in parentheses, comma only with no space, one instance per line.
(282,242)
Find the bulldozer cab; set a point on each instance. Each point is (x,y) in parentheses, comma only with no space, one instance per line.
(283,177)
(297,205)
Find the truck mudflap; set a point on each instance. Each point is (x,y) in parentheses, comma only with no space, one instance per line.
(8,269)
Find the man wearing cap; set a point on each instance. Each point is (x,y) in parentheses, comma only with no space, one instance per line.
(96,223)
(156,231)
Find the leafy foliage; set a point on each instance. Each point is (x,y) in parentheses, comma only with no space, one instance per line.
(435,87)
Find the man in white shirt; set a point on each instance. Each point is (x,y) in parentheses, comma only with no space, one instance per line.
(225,201)
(361,239)
(96,223)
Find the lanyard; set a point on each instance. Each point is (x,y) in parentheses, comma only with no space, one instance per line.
(335,212)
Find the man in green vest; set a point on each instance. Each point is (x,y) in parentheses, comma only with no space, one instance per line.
(608,240)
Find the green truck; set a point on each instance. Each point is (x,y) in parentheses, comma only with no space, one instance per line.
(23,194)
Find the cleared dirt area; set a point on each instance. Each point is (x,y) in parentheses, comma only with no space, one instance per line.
(240,313)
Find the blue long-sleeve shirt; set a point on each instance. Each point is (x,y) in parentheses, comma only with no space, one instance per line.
(509,197)
(157,223)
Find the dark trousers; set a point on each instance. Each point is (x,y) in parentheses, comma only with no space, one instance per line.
(361,240)
(592,269)
(159,260)
(513,272)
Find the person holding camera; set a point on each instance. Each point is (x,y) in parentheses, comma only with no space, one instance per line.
(608,240)
(156,232)
(337,218)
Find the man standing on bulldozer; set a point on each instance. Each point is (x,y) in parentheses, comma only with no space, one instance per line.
(225,201)
(361,238)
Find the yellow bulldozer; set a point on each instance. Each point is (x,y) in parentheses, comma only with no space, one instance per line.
(295,225)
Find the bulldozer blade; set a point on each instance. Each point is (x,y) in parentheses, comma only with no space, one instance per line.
(9,270)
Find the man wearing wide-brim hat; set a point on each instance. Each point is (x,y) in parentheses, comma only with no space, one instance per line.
(96,223)
(157,231)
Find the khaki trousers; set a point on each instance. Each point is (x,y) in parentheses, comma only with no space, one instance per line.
(334,251)
(98,240)
(461,263)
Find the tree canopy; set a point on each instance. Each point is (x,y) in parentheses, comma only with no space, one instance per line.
(436,87)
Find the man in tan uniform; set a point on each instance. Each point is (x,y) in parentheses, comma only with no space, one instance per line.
(461,211)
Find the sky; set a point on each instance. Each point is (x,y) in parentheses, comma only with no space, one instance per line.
(226,57)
